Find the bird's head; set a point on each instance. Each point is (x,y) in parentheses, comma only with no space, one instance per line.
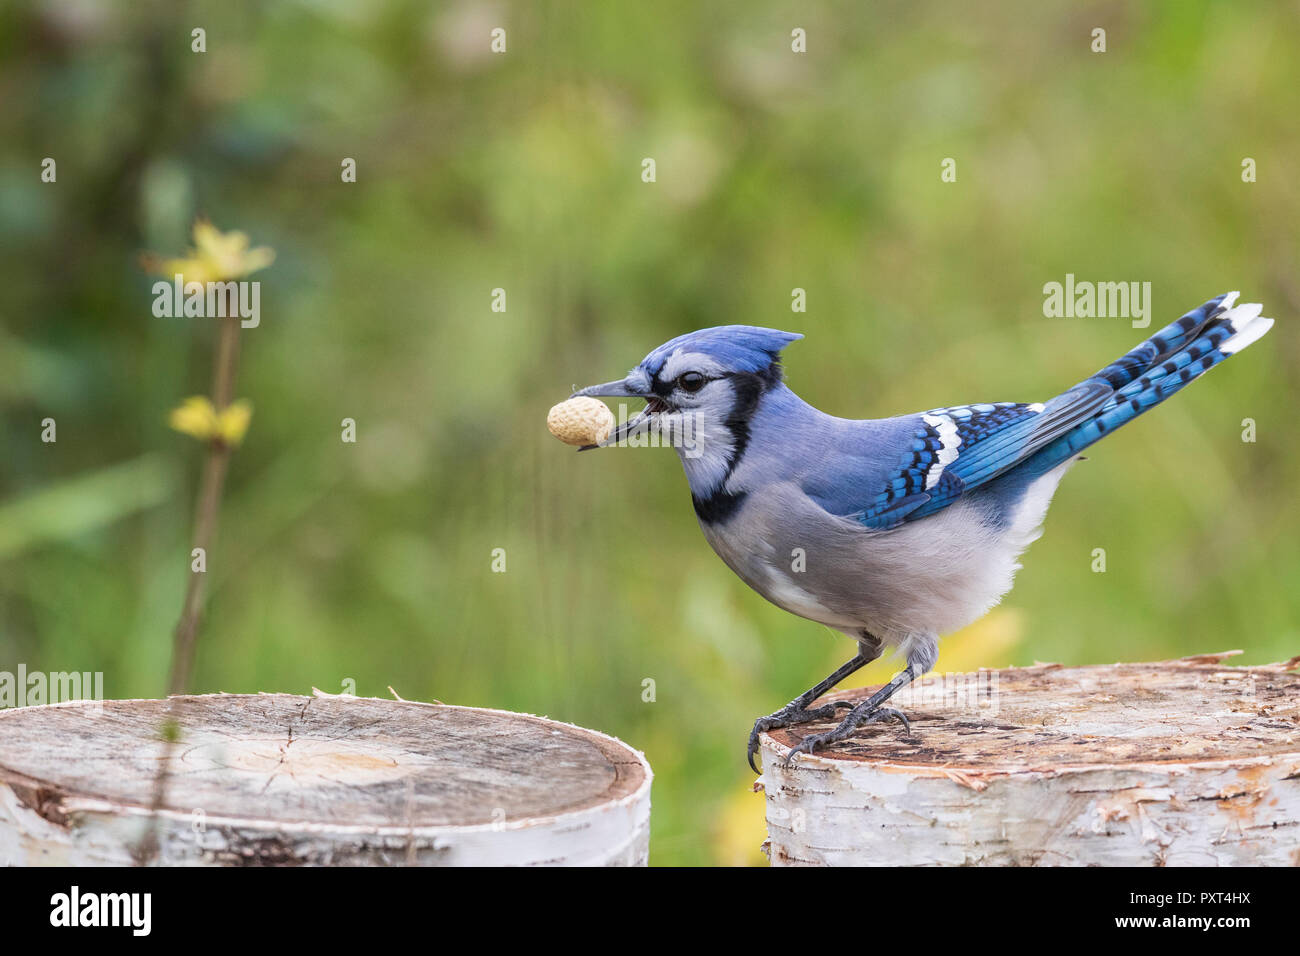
(701,389)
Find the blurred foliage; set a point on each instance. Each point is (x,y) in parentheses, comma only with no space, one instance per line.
(522,171)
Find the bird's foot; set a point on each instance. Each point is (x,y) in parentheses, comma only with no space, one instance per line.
(850,723)
(788,716)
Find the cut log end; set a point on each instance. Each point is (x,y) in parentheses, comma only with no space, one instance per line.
(283,779)
(1180,762)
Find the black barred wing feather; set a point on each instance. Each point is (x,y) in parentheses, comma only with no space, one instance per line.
(958,448)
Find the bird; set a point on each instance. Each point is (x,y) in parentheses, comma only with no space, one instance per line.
(909,527)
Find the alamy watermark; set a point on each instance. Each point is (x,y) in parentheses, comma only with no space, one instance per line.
(1102,300)
(23,689)
(210,300)
(970,693)
(680,429)
(131,911)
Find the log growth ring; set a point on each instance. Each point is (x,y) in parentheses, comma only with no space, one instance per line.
(317,762)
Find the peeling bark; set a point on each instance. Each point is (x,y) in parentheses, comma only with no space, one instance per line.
(278,780)
(1175,763)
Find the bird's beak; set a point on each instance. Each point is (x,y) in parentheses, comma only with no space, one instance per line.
(620,389)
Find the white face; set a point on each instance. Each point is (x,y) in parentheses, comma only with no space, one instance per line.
(693,416)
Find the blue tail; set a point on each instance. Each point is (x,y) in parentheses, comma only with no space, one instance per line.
(1159,367)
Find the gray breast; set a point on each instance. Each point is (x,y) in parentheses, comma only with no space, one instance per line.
(931,576)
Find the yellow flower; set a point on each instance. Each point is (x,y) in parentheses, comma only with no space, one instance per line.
(216,257)
(233,421)
(197,418)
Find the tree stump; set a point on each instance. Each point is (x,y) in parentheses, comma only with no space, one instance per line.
(286,780)
(1183,762)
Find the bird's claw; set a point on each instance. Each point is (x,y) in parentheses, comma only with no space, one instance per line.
(786,717)
(887,713)
(851,723)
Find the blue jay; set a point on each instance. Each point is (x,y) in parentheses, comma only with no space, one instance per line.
(911,527)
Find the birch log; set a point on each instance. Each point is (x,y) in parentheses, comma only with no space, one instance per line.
(278,779)
(1178,763)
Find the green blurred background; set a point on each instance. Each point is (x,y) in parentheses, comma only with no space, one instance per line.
(523,171)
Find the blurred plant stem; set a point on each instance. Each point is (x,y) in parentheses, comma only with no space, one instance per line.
(207,510)
(220,423)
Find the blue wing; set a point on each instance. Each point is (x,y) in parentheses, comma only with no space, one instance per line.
(959,448)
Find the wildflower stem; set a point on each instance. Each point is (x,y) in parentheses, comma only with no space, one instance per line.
(208,507)
(224,257)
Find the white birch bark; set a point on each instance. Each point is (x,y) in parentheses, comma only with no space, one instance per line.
(1178,763)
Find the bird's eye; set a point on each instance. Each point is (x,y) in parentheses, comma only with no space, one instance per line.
(690,381)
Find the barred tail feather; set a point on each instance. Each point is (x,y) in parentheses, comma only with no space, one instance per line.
(1167,341)
(1180,353)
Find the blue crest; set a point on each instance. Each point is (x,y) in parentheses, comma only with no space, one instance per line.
(741,348)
